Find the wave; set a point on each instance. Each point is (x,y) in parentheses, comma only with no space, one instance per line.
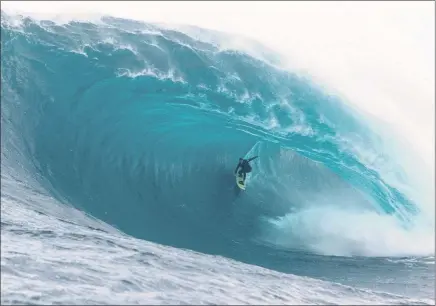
(141,126)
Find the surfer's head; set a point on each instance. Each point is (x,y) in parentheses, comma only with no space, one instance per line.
(240,159)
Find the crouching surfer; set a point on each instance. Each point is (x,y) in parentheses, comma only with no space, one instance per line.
(244,166)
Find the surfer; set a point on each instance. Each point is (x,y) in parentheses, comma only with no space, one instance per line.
(244,165)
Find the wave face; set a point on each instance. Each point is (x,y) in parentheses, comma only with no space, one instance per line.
(141,126)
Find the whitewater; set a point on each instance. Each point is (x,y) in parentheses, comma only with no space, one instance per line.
(119,139)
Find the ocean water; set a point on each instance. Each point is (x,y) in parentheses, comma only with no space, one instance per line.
(119,141)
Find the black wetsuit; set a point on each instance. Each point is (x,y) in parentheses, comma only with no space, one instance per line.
(244,166)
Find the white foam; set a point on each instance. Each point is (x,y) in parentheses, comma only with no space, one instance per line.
(153,72)
(332,230)
(75,264)
(118,45)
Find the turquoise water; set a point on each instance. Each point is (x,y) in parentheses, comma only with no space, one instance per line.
(139,127)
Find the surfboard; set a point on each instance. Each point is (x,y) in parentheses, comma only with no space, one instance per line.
(240,181)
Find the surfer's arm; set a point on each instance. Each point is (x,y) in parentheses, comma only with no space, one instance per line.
(237,167)
(253,158)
